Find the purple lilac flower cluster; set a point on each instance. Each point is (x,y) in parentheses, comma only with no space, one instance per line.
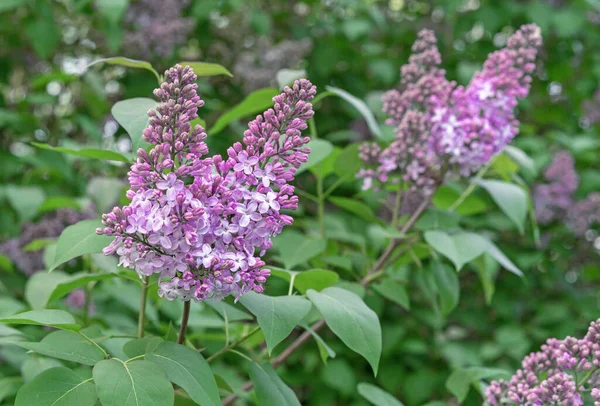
(156,27)
(441,127)
(203,223)
(50,225)
(561,374)
(555,198)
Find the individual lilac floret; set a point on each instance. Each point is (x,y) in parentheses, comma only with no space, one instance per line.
(549,377)
(203,223)
(555,198)
(443,128)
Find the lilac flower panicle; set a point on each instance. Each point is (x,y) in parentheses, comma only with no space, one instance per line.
(51,225)
(561,374)
(441,127)
(554,198)
(156,27)
(202,223)
(584,214)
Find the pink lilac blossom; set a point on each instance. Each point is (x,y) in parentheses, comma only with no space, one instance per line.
(555,198)
(444,128)
(561,374)
(202,223)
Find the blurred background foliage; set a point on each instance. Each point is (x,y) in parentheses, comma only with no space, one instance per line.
(48,94)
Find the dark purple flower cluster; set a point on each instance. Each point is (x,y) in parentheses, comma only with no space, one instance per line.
(584,214)
(441,127)
(157,27)
(203,223)
(50,225)
(555,198)
(561,374)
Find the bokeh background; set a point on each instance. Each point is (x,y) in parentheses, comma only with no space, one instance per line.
(49,94)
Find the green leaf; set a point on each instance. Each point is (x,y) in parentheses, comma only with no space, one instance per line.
(53,318)
(130,63)
(68,346)
(141,346)
(188,369)
(58,202)
(228,312)
(296,249)
(461,379)
(277,316)
(79,239)
(38,244)
(112,10)
(347,162)
(393,291)
(448,287)
(325,351)
(362,108)
(317,279)
(319,150)
(377,396)
(39,288)
(520,157)
(355,207)
(10,306)
(26,200)
(43,32)
(512,199)
(35,365)
(445,196)
(270,389)
(132,115)
(134,383)
(94,153)
(464,247)
(75,281)
(207,69)
(57,387)
(7,5)
(9,386)
(105,192)
(256,102)
(351,320)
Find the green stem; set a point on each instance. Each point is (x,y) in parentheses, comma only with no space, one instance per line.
(95,344)
(472,185)
(142,315)
(334,186)
(321,204)
(313,129)
(396,209)
(307,195)
(86,304)
(134,358)
(233,344)
(184,322)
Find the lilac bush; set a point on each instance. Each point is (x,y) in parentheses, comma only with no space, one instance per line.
(444,128)
(561,374)
(200,222)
